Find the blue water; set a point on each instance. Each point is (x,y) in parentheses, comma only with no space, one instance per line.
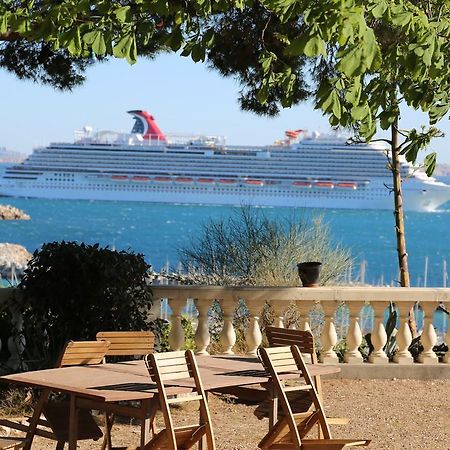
(158,230)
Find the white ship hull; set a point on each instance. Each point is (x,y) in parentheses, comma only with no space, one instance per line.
(417,196)
(148,166)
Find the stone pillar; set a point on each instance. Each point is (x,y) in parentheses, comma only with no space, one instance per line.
(329,335)
(304,306)
(428,337)
(176,335)
(228,335)
(403,336)
(202,337)
(279,308)
(379,336)
(253,336)
(354,335)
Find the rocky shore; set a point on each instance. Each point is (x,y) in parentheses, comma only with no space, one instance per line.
(13,258)
(8,212)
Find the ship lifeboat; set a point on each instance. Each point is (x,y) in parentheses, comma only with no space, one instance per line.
(325,184)
(205,180)
(347,185)
(254,182)
(140,178)
(184,180)
(227,181)
(162,179)
(119,177)
(302,184)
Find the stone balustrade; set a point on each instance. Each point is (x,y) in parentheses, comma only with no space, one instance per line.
(325,301)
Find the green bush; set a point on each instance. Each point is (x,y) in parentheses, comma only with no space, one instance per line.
(250,248)
(72,291)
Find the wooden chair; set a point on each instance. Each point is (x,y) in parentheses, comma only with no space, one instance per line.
(290,431)
(129,343)
(299,401)
(56,422)
(164,367)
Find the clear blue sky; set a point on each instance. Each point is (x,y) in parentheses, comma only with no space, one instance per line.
(183,96)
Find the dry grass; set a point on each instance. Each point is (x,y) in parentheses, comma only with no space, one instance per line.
(395,414)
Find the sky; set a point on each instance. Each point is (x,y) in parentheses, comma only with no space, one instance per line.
(184,97)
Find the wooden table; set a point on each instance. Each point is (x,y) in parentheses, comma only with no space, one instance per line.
(109,383)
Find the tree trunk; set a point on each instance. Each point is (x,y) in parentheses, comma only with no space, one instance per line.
(399,216)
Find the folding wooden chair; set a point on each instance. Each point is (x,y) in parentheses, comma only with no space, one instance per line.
(299,401)
(289,432)
(56,422)
(304,340)
(163,368)
(129,343)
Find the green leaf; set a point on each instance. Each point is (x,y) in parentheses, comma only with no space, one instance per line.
(379,9)
(4,22)
(360,112)
(351,63)
(123,14)
(429,163)
(314,46)
(99,46)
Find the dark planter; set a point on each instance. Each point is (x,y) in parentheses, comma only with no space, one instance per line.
(309,273)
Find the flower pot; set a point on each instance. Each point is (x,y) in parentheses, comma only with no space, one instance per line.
(309,273)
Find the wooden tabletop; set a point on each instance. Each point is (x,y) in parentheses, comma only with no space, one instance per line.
(130,380)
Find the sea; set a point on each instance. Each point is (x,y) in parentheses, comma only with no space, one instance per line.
(158,231)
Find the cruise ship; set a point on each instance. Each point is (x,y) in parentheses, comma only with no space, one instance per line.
(302,170)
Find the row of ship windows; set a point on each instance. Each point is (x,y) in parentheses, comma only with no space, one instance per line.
(290,192)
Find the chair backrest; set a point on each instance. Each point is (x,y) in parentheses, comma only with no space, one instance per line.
(282,360)
(164,369)
(77,353)
(304,340)
(128,343)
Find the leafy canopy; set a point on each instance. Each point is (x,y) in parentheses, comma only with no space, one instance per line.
(365,57)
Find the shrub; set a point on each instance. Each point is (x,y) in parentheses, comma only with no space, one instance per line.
(72,291)
(250,248)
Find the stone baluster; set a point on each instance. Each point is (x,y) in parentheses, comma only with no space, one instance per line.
(228,335)
(428,337)
(253,336)
(354,335)
(279,308)
(378,336)
(304,306)
(202,337)
(176,335)
(329,335)
(403,336)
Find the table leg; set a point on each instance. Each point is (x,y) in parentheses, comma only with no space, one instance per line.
(43,399)
(73,423)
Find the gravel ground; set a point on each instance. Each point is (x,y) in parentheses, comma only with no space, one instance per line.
(395,414)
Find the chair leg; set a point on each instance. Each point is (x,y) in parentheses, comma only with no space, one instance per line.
(60,445)
(107,441)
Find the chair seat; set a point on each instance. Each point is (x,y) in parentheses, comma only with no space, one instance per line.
(57,415)
(299,401)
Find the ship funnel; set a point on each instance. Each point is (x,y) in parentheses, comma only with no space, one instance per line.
(145,124)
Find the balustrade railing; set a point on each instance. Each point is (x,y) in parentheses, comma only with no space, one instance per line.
(326,306)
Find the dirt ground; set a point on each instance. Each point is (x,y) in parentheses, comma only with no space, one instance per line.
(395,414)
